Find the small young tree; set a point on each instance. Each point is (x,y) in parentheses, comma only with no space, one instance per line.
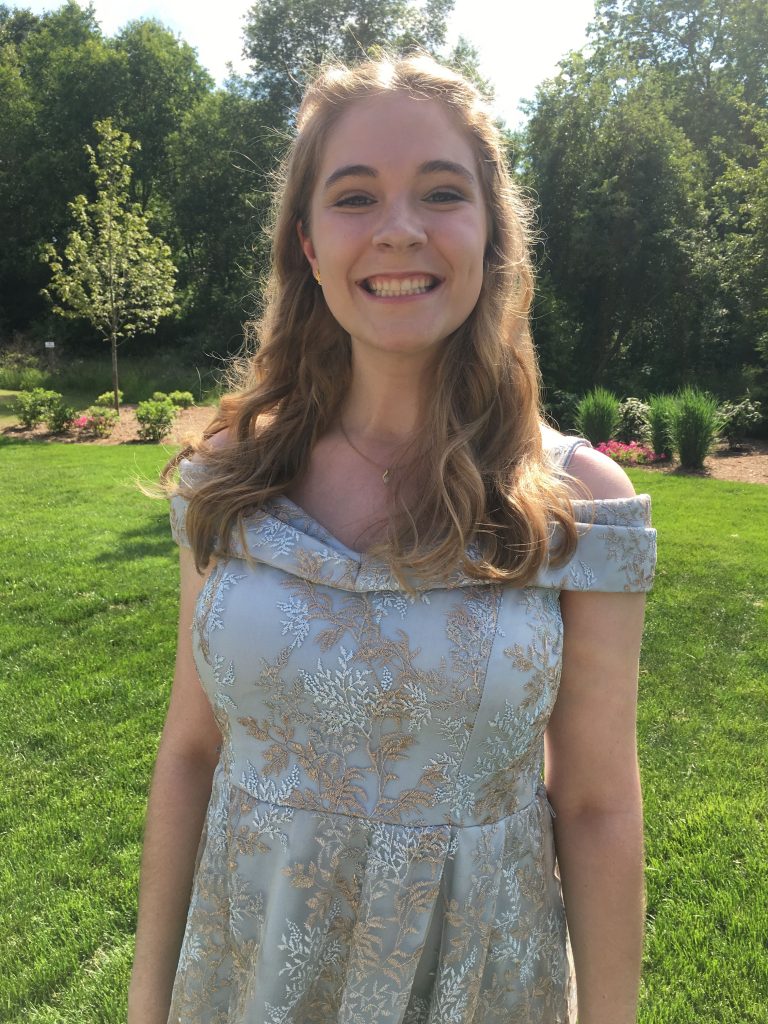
(113,272)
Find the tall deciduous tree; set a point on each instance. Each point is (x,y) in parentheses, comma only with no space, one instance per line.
(158,81)
(217,155)
(112,272)
(285,39)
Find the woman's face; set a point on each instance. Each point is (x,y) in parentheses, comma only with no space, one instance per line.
(398,226)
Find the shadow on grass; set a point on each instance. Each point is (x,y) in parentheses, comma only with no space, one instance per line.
(150,541)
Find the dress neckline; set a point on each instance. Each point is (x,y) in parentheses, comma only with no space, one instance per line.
(298,517)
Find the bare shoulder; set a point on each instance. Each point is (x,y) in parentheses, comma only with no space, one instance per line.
(603,477)
(218,440)
(226,437)
(222,438)
(600,475)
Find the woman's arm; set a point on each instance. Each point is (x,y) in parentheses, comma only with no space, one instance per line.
(181,787)
(592,778)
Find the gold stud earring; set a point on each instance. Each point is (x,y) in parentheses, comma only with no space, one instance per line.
(317,276)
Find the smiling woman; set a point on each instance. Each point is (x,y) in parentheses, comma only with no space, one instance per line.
(385,630)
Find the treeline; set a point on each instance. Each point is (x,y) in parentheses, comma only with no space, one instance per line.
(646,154)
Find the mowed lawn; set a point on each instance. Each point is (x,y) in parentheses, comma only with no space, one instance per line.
(87,636)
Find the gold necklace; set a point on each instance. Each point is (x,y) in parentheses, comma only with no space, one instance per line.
(387,474)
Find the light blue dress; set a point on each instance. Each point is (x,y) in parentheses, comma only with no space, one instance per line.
(378,847)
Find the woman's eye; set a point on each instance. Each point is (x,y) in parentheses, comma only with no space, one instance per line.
(445,195)
(356,200)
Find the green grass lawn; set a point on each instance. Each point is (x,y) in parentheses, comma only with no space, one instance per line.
(87,634)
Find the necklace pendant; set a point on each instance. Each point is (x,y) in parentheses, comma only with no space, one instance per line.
(385,475)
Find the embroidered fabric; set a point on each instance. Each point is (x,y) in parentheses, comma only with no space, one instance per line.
(378,847)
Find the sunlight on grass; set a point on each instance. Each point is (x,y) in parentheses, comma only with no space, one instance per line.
(87,609)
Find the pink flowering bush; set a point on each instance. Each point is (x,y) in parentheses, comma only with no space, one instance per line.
(96,421)
(632,454)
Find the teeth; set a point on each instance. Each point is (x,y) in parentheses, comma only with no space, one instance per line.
(384,287)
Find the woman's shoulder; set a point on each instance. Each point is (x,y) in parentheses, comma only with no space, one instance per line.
(221,439)
(603,478)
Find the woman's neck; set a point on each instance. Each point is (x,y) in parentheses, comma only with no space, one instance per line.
(384,404)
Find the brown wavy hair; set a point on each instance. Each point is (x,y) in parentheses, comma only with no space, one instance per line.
(484,477)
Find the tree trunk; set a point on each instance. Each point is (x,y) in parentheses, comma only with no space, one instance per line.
(113,341)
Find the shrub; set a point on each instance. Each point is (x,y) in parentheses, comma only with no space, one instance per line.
(694,426)
(108,398)
(634,423)
(597,415)
(97,421)
(32,406)
(159,396)
(632,454)
(60,417)
(182,399)
(737,418)
(155,419)
(661,409)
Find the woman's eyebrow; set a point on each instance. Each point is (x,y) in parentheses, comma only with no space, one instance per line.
(351,171)
(429,167)
(447,167)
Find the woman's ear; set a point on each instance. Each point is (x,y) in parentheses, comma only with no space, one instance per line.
(307,246)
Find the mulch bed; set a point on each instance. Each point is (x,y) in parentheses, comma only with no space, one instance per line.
(748,465)
(189,424)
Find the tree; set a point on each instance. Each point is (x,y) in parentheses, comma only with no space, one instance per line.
(113,272)
(286,39)
(159,79)
(216,156)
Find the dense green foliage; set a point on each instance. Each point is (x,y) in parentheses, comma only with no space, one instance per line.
(87,638)
(647,152)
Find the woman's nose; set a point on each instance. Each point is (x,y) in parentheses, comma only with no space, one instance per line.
(399,227)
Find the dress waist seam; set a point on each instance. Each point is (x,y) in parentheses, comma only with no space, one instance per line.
(539,795)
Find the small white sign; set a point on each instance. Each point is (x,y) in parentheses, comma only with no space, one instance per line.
(50,344)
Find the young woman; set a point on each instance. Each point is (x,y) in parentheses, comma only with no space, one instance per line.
(397,622)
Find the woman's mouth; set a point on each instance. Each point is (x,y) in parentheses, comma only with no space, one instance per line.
(394,287)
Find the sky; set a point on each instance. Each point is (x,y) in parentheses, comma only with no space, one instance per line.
(519,41)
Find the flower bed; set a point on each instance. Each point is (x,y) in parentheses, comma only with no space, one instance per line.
(632,454)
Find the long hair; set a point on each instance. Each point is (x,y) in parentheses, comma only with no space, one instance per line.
(488,500)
